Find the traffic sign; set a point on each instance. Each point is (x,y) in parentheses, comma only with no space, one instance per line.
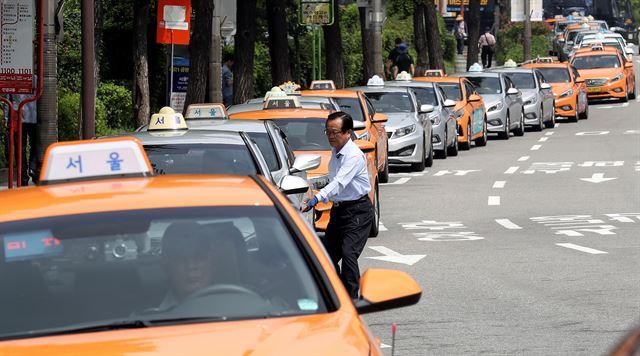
(16,46)
(174,17)
(316,12)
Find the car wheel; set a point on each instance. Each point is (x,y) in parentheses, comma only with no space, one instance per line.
(467,145)
(429,160)
(632,96)
(384,174)
(453,149)
(507,129)
(520,130)
(625,99)
(551,123)
(482,141)
(442,154)
(375,226)
(540,124)
(419,166)
(585,113)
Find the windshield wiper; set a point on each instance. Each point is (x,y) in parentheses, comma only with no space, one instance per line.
(82,328)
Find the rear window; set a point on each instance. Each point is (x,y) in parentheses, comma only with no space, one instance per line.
(305,134)
(201,159)
(522,80)
(352,107)
(486,85)
(388,102)
(555,75)
(594,62)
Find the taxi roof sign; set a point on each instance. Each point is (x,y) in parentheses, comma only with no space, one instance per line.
(274,92)
(476,67)
(285,102)
(290,88)
(167,119)
(322,85)
(434,73)
(510,63)
(404,76)
(94,159)
(206,111)
(375,81)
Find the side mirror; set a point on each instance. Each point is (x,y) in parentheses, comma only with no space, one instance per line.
(293,185)
(358,125)
(545,86)
(579,80)
(378,117)
(513,91)
(305,162)
(426,108)
(449,103)
(382,289)
(474,97)
(365,146)
(628,50)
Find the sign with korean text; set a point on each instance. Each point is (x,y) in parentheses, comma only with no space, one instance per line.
(180,82)
(316,12)
(174,19)
(16,46)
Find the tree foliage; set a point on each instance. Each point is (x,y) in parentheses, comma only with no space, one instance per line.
(511,39)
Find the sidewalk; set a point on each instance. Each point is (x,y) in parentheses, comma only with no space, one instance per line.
(461,61)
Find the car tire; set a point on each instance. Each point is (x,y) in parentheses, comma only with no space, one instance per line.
(429,160)
(467,145)
(384,174)
(585,113)
(482,141)
(551,123)
(453,149)
(632,96)
(507,129)
(375,225)
(625,99)
(442,154)
(520,130)
(419,166)
(540,124)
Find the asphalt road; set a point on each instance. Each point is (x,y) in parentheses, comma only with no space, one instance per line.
(521,254)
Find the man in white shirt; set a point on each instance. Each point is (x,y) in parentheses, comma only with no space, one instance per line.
(348,189)
(487,44)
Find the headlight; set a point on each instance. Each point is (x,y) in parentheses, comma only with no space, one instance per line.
(403,131)
(617,77)
(459,113)
(531,100)
(365,136)
(566,94)
(319,182)
(496,107)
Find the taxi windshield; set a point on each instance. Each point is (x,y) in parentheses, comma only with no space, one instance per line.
(522,80)
(486,85)
(452,91)
(201,159)
(595,62)
(305,134)
(426,96)
(390,102)
(555,75)
(352,107)
(75,273)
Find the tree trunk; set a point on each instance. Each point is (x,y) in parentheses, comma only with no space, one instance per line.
(368,63)
(245,40)
(473,25)
(278,41)
(199,48)
(434,46)
(97,35)
(333,50)
(420,38)
(141,105)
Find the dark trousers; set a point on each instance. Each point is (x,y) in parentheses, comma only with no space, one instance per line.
(345,239)
(487,56)
(29,132)
(460,45)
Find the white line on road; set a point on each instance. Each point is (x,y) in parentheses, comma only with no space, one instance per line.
(523,158)
(535,147)
(499,184)
(494,200)
(543,139)
(582,248)
(508,224)
(511,170)
(384,346)
(381,227)
(549,133)
(398,182)
(556,125)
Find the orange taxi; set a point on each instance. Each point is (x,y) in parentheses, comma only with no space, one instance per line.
(356,104)
(606,73)
(469,109)
(568,87)
(195,265)
(304,129)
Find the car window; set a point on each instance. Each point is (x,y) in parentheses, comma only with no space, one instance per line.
(508,83)
(425,96)
(594,62)
(158,266)
(540,77)
(201,159)
(522,80)
(469,88)
(352,107)
(390,102)
(556,75)
(305,134)
(575,72)
(370,108)
(267,148)
(452,91)
(486,85)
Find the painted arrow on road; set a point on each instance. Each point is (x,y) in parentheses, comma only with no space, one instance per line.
(393,256)
(597,178)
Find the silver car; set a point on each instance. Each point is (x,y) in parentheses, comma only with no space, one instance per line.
(409,128)
(443,120)
(502,100)
(537,97)
(306,102)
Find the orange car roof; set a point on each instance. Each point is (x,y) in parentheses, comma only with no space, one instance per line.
(608,50)
(546,65)
(130,194)
(280,114)
(338,93)
(438,79)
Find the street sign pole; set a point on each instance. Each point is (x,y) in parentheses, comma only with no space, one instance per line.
(171,72)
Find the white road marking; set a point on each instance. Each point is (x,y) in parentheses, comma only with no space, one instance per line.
(582,248)
(455,172)
(398,182)
(408,174)
(384,346)
(523,158)
(632,132)
(556,125)
(535,147)
(511,170)
(499,184)
(592,133)
(494,200)
(395,257)
(549,133)
(602,164)
(508,224)
(597,178)
(381,226)
(543,139)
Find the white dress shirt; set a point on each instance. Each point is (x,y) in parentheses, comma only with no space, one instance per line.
(348,175)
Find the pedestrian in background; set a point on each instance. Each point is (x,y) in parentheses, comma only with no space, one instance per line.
(352,212)
(227,80)
(460,32)
(487,44)
(404,62)
(391,59)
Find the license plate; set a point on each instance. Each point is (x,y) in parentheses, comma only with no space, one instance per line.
(630,36)
(593,89)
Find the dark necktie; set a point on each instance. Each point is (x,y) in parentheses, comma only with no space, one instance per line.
(339,155)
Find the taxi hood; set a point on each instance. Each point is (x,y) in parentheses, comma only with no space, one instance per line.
(323,169)
(599,72)
(325,334)
(400,119)
(559,88)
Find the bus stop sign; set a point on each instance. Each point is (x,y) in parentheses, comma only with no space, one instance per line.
(316,12)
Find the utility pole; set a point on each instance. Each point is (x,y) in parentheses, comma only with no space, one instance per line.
(378,18)
(527,30)
(48,103)
(215,57)
(88,71)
